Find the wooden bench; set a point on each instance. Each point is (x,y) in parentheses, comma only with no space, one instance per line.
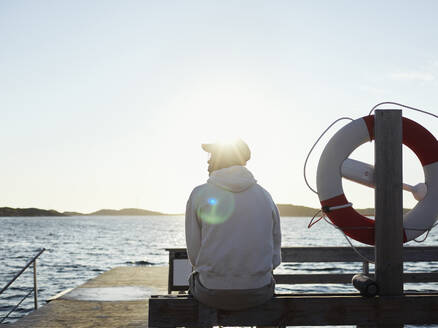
(303,309)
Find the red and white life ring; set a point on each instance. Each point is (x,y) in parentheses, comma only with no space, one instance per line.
(329,179)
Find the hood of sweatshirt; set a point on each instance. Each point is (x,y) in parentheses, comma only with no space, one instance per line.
(235,178)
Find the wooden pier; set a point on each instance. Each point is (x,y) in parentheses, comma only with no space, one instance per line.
(116,298)
(120,298)
(123,297)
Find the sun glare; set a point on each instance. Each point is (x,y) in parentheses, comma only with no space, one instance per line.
(222,105)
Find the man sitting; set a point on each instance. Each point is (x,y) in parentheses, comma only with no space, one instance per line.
(232,233)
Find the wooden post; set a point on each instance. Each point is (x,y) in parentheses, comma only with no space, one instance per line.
(388,202)
(170,275)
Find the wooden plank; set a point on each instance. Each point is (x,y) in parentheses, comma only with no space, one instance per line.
(325,254)
(420,277)
(174,249)
(180,288)
(347,254)
(420,254)
(340,254)
(173,312)
(304,310)
(345,278)
(340,278)
(388,202)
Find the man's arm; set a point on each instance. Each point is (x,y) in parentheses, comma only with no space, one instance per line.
(276,232)
(193,231)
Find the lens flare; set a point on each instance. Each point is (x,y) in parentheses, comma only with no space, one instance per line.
(212,201)
(217,209)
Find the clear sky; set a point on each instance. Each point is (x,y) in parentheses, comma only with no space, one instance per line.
(104,104)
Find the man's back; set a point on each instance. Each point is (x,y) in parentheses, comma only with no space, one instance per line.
(233,231)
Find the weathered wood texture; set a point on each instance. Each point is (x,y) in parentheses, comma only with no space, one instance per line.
(62,313)
(302,310)
(388,202)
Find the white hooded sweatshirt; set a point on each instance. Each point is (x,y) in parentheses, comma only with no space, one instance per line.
(233,231)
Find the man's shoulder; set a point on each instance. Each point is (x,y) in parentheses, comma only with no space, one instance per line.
(267,194)
(199,189)
(263,190)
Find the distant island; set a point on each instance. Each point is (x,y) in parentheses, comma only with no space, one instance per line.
(8,211)
(297,210)
(127,211)
(284,209)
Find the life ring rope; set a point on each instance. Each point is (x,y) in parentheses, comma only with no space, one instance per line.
(313,147)
(350,119)
(341,204)
(329,178)
(401,105)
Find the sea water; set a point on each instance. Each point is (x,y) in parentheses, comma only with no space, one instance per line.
(80,248)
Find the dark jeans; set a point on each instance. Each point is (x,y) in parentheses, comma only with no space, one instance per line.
(230,299)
